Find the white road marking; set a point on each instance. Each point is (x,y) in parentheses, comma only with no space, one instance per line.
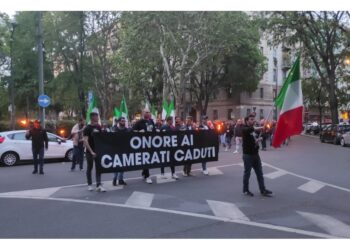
(214,171)
(311,186)
(109,186)
(275,174)
(161,180)
(328,223)
(307,178)
(203,216)
(42,193)
(140,199)
(227,210)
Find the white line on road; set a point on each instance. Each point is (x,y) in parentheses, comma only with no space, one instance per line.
(140,199)
(203,216)
(42,193)
(226,210)
(311,186)
(307,178)
(214,171)
(275,174)
(327,223)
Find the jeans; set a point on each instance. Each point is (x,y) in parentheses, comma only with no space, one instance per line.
(145,173)
(252,161)
(90,164)
(78,156)
(187,168)
(204,166)
(40,161)
(119,176)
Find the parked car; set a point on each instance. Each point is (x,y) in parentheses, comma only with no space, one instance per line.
(14,147)
(312,128)
(333,133)
(345,139)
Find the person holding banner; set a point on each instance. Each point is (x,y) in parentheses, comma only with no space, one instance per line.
(93,127)
(145,125)
(188,126)
(166,128)
(204,126)
(120,128)
(251,158)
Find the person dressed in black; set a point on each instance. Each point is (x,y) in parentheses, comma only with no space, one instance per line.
(39,138)
(119,127)
(167,128)
(146,124)
(251,158)
(93,127)
(188,126)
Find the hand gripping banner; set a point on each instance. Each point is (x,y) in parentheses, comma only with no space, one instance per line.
(134,150)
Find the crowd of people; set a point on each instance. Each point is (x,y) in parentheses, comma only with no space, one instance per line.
(247,133)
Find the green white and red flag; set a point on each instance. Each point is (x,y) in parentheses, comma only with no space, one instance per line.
(290,101)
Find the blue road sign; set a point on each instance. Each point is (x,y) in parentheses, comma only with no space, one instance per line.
(44,101)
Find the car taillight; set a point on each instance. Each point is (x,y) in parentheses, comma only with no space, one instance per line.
(2,139)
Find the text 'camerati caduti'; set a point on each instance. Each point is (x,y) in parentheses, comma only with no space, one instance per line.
(163,149)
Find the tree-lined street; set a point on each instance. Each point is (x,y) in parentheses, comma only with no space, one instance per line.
(311,194)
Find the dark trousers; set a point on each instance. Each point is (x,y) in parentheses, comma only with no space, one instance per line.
(252,161)
(187,168)
(90,164)
(78,156)
(172,168)
(145,173)
(38,158)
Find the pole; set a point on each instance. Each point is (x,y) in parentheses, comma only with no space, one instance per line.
(40,64)
(12,87)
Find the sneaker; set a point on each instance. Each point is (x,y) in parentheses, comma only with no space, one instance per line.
(226,149)
(148,180)
(184,174)
(205,172)
(174,176)
(121,182)
(114,182)
(248,193)
(100,189)
(235,152)
(266,193)
(90,188)
(162,176)
(35,171)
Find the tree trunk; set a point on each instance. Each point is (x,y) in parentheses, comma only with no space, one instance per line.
(333,102)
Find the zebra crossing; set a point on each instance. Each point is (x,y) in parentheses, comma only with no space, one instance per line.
(237,210)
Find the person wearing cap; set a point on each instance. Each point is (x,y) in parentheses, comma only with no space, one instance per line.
(90,129)
(39,140)
(204,126)
(146,124)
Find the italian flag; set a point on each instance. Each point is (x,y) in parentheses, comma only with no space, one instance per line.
(290,101)
(92,107)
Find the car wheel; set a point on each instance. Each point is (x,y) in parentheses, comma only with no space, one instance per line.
(342,142)
(69,155)
(9,158)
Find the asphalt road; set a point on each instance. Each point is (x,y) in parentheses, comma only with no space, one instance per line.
(311,200)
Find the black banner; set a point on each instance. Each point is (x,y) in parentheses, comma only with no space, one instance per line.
(134,150)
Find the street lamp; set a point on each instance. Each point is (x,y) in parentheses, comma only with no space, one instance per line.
(12,87)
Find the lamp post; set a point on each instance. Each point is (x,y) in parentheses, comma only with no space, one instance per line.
(12,87)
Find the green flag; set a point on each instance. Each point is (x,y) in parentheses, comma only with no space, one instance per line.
(117,113)
(165,109)
(171,111)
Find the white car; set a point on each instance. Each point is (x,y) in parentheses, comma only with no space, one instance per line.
(15,147)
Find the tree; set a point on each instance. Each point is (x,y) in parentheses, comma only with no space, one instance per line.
(324,40)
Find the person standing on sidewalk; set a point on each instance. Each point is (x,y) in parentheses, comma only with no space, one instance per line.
(145,125)
(39,138)
(251,158)
(93,127)
(238,135)
(78,144)
(120,128)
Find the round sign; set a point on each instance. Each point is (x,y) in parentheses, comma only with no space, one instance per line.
(44,101)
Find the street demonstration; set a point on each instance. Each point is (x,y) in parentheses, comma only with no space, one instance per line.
(132,151)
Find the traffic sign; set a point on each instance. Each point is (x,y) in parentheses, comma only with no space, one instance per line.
(44,101)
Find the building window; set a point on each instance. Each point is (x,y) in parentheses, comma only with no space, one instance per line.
(215,114)
(275,75)
(261,114)
(229,113)
(248,112)
(261,93)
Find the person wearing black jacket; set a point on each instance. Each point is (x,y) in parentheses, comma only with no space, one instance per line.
(145,125)
(39,137)
(251,158)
